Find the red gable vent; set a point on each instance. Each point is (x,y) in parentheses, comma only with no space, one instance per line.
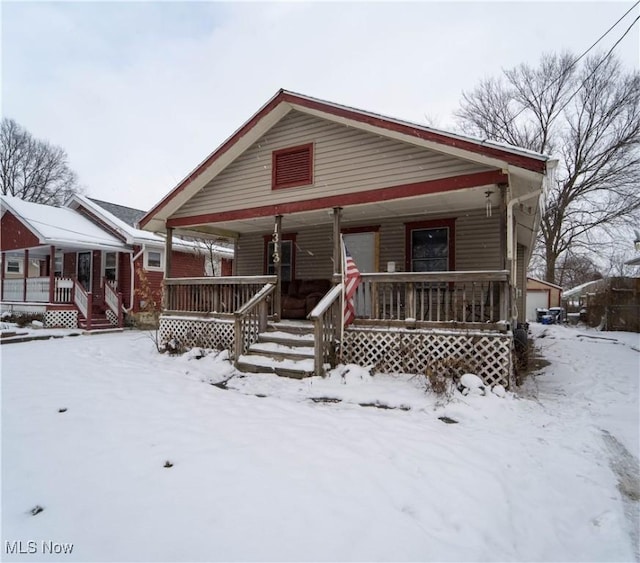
(292,167)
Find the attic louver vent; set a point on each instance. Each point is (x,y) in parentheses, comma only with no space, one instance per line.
(292,167)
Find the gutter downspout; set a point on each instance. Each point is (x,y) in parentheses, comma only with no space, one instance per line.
(512,254)
(132,260)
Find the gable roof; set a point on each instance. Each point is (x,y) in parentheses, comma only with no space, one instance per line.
(59,226)
(544,282)
(486,152)
(131,234)
(129,215)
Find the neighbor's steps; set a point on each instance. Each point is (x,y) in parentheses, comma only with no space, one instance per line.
(98,322)
(285,349)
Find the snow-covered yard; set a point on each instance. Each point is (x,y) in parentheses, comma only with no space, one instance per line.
(135,456)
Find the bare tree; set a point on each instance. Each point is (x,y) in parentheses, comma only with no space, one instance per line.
(588,116)
(32,169)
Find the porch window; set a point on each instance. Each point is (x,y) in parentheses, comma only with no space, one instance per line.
(13,266)
(292,167)
(286,259)
(430,246)
(111,266)
(153,260)
(57,266)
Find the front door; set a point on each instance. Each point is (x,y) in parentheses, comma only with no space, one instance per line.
(362,247)
(84,270)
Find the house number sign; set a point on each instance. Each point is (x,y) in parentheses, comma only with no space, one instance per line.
(276,239)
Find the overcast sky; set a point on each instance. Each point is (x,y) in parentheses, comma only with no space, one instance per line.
(139,93)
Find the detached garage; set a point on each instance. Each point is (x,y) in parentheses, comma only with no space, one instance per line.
(541,295)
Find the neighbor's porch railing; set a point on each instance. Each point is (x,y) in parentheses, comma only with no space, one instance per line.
(37,290)
(84,302)
(327,318)
(433,297)
(223,295)
(113,300)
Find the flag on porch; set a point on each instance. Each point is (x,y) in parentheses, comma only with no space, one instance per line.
(351,280)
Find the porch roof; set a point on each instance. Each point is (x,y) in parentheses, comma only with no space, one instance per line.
(59,226)
(526,166)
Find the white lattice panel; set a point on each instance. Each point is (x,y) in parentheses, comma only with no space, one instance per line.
(113,318)
(61,319)
(487,355)
(203,333)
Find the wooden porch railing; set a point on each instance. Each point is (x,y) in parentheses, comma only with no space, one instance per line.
(326,318)
(113,300)
(83,301)
(37,290)
(251,320)
(434,297)
(224,295)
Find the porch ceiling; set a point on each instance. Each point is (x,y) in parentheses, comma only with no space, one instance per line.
(445,203)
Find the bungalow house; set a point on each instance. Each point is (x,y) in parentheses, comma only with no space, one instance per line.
(86,259)
(440,226)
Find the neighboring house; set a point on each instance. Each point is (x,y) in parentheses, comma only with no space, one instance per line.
(441,227)
(611,303)
(541,295)
(89,257)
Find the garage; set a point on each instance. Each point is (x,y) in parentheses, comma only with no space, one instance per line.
(536,300)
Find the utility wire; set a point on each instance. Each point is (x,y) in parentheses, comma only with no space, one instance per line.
(599,64)
(584,54)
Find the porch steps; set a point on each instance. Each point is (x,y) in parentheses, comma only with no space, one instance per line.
(285,349)
(98,322)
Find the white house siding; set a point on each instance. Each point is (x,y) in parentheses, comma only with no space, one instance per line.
(346,160)
(477,245)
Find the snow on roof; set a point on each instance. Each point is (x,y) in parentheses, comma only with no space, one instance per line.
(60,225)
(135,235)
(582,288)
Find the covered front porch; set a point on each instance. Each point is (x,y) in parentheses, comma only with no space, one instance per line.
(459,310)
(70,286)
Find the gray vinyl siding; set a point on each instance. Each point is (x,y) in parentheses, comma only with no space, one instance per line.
(477,245)
(346,160)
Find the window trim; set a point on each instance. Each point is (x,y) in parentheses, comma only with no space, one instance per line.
(289,237)
(153,268)
(103,272)
(20,262)
(431,224)
(306,181)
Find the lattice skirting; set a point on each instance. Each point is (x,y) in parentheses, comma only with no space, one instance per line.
(61,319)
(488,355)
(113,318)
(205,333)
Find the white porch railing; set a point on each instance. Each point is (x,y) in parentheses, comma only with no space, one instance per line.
(82,299)
(113,300)
(37,290)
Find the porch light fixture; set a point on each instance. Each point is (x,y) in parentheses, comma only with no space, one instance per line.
(488,202)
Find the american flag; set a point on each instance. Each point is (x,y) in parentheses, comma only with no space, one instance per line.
(351,281)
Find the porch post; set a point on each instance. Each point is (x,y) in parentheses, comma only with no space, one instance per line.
(25,274)
(52,273)
(4,266)
(168,251)
(337,251)
(168,247)
(277,250)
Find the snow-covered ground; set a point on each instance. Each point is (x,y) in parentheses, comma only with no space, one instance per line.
(136,456)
